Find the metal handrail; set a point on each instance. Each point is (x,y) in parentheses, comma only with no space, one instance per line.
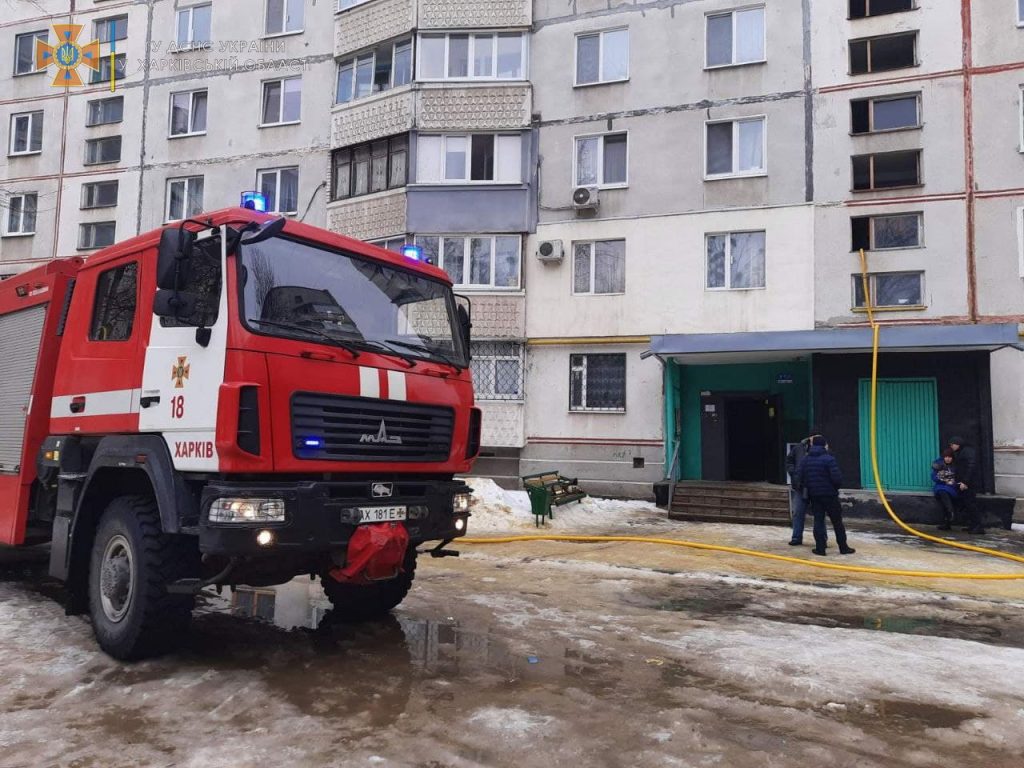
(673,473)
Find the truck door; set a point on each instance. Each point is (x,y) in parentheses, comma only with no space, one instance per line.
(184,364)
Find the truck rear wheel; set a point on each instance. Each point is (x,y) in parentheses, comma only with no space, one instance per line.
(362,602)
(131,565)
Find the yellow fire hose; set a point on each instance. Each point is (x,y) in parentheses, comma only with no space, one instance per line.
(800,561)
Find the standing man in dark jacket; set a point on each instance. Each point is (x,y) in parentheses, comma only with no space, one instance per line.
(819,474)
(797,494)
(965,466)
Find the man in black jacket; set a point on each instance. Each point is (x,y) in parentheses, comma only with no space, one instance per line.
(797,494)
(819,474)
(965,465)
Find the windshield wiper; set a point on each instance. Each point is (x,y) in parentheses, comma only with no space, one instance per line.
(348,346)
(426,350)
(380,345)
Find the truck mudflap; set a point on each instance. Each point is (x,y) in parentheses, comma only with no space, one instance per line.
(375,552)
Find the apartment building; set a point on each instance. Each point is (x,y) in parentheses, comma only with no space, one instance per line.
(432,143)
(204,102)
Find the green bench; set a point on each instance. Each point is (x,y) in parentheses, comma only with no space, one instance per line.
(549,489)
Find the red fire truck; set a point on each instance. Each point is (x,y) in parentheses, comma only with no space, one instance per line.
(233,399)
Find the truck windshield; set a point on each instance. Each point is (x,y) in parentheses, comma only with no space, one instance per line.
(294,289)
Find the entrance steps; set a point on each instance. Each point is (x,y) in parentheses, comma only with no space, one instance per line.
(726,502)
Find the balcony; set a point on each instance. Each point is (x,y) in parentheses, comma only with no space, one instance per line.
(432,107)
(364,25)
(369,217)
(463,14)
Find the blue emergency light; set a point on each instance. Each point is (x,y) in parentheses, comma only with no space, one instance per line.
(412,252)
(313,442)
(254,201)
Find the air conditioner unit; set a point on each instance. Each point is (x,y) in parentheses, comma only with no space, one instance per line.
(550,250)
(585,198)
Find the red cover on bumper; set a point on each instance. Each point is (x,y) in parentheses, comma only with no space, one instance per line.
(376,551)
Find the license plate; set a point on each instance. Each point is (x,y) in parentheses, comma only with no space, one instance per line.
(381,514)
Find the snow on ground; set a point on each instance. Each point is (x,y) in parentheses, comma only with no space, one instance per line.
(495,510)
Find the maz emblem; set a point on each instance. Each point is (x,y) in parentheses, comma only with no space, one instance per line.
(382,436)
(382,490)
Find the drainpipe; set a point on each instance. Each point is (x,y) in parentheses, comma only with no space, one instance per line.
(966,66)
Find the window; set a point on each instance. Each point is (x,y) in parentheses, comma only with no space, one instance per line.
(387,66)
(343,4)
(884,114)
(599,267)
(204,283)
(1022,115)
(26,133)
(602,57)
(99,194)
(25,51)
(1020,12)
(372,167)
(601,160)
(735,148)
(102,75)
(736,260)
(194,26)
(280,186)
(861,9)
(469,158)
(393,244)
(497,370)
(188,113)
(597,383)
(1020,241)
(96,235)
(115,28)
(879,233)
(284,16)
(282,101)
(21,214)
(734,38)
(184,198)
(475,261)
(253,603)
(462,56)
(105,111)
(881,54)
(113,314)
(887,170)
(890,289)
(105,150)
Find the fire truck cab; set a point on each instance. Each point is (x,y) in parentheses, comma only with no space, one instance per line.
(233,399)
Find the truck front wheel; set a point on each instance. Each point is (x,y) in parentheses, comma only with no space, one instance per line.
(362,602)
(131,565)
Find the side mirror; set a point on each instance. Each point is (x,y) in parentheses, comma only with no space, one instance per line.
(265,231)
(172,259)
(171,303)
(465,324)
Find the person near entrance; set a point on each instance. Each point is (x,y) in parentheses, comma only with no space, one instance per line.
(797,493)
(944,488)
(819,474)
(965,464)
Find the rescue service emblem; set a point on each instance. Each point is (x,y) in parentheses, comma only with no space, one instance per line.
(180,372)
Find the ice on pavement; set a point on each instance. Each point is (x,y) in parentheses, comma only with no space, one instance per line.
(495,510)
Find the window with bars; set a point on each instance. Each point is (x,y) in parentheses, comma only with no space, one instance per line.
(599,267)
(886,170)
(497,370)
(879,233)
(385,67)
(597,383)
(890,290)
(881,54)
(372,167)
(475,261)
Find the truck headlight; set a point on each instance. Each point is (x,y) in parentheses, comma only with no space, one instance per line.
(460,503)
(247,511)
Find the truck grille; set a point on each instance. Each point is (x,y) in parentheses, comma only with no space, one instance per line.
(363,429)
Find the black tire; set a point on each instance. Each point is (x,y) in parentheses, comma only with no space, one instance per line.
(138,618)
(354,602)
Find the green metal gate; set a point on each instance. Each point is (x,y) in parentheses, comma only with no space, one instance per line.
(908,433)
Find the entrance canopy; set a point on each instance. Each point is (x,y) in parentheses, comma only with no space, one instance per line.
(782,345)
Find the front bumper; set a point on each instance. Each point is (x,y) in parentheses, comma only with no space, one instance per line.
(318,516)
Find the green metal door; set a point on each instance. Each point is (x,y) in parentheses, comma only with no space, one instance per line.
(908,433)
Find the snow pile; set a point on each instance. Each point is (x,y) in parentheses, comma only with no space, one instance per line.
(495,510)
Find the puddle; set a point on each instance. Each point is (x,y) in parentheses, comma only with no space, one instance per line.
(920,715)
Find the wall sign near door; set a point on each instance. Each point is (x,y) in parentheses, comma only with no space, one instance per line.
(784,378)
